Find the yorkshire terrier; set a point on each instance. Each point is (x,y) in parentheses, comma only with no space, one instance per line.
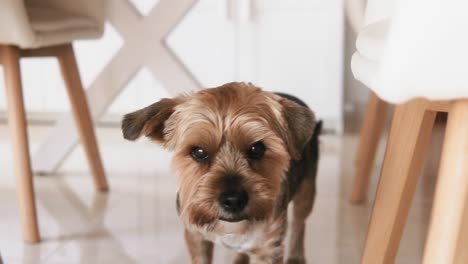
(241,155)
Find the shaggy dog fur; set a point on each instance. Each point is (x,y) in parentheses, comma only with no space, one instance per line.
(241,155)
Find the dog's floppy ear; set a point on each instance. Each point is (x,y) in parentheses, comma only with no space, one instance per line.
(149,121)
(301,122)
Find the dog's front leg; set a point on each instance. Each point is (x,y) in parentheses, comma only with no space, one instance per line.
(201,250)
(302,206)
(277,259)
(267,255)
(241,258)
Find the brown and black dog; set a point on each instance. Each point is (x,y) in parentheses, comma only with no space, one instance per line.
(241,155)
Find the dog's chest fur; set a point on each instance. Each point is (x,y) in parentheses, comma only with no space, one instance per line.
(240,239)
(238,242)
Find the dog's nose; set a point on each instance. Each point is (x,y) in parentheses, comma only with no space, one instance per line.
(233,201)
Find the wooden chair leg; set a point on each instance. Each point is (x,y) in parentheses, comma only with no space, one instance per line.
(451,191)
(461,255)
(408,141)
(370,134)
(80,108)
(19,136)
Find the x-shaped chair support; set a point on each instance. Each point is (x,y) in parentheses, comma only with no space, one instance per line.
(143,45)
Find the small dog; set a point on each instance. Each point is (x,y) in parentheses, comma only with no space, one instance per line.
(241,155)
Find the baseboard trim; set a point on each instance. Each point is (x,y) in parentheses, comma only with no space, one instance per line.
(49,119)
(113,120)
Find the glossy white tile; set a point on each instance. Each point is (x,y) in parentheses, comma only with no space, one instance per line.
(136,222)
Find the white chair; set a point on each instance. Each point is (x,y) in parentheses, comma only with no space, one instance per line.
(415,54)
(46,28)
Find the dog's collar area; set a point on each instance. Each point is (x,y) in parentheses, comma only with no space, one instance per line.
(241,236)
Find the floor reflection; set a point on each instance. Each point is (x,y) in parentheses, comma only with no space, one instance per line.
(136,222)
(81,224)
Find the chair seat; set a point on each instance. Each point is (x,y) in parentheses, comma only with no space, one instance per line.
(47,19)
(401,61)
(53,26)
(41,23)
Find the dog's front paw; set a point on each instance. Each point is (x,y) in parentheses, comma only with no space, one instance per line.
(296,260)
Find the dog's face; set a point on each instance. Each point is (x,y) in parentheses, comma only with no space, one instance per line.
(232,145)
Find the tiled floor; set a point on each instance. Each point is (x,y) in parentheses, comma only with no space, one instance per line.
(136,221)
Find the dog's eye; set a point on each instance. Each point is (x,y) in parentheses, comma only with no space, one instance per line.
(256,151)
(199,154)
